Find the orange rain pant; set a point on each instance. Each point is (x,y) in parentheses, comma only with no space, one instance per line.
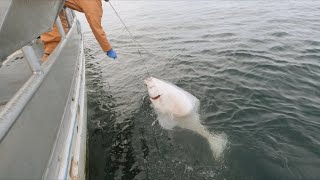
(93,12)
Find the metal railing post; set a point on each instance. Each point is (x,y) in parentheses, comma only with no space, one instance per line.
(12,110)
(32,59)
(60,28)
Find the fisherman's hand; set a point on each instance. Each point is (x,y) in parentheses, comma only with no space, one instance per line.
(112,54)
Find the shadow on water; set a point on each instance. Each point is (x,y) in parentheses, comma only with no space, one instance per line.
(110,146)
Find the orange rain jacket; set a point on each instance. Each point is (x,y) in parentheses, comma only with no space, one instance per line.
(93,12)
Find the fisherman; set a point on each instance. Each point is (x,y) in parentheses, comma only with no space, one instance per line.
(93,12)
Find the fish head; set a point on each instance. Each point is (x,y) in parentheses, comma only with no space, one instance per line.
(153,89)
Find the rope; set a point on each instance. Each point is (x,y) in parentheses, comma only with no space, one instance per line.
(132,37)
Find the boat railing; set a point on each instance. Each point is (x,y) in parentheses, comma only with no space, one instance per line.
(33,115)
(24,20)
(16,104)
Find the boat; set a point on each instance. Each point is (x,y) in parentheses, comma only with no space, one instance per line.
(43,109)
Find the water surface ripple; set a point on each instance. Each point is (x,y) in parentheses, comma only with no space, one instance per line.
(254,66)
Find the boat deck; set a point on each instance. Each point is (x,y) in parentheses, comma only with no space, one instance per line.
(42,109)
(14,72)
(26,150)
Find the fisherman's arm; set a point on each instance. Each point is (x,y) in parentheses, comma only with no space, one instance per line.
(93,12)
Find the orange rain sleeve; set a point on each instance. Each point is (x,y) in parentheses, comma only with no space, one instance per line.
(93,12)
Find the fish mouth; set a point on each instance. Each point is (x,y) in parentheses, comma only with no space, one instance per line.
(156,97)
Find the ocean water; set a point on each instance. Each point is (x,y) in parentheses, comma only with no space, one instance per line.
(254,66)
